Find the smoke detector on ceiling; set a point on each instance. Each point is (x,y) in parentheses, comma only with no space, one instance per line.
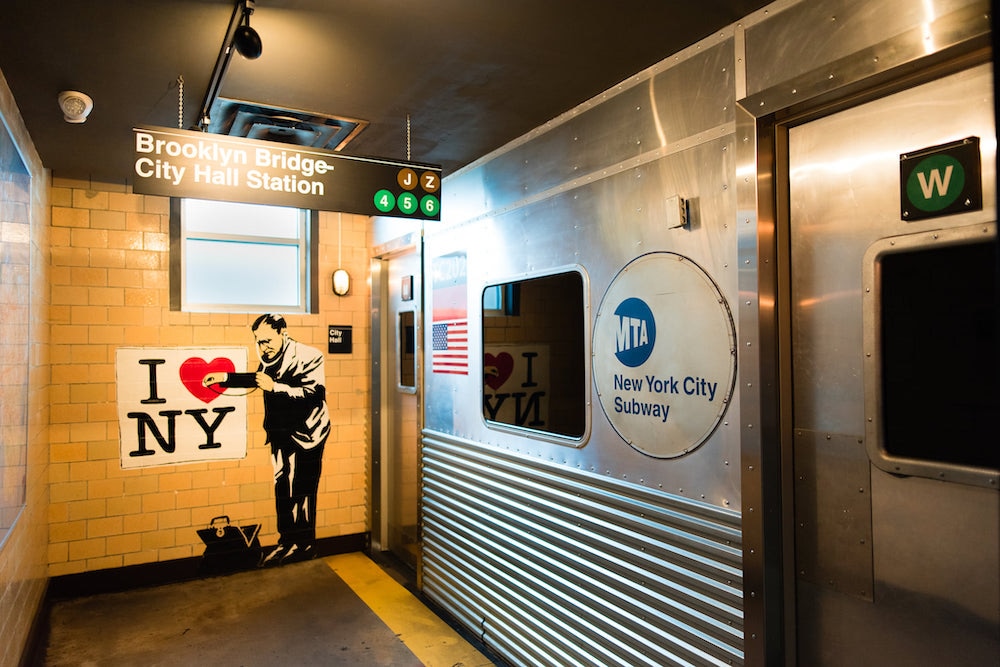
(76,106)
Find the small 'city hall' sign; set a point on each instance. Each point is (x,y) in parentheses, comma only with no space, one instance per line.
(941,180)
(184,163)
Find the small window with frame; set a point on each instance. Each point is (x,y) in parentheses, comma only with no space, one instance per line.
(239,257)
(931,395)
(407,353)
(534,357)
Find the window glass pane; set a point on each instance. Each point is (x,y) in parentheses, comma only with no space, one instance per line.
(218,272)
(534,364)
(15,325)
(939,337)
(407,351)
(491,298)
(216,217)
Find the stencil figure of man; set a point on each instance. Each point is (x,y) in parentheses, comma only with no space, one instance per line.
(297,424)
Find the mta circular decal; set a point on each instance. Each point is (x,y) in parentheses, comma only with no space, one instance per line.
(637,332)
(664,354)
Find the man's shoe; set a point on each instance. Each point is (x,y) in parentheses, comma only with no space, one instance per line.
(274,557)
(297,554)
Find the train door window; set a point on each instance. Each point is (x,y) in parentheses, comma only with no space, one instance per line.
(534,364)
(935,338)
(407,351)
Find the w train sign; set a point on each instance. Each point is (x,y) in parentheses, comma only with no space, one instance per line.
(941,180)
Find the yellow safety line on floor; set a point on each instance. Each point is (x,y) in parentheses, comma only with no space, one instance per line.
(429,638)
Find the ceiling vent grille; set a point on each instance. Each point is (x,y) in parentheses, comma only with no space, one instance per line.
(289,126)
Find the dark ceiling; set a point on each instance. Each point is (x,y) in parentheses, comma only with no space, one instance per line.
(470,74)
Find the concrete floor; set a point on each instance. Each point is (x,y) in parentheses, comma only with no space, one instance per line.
(297,614)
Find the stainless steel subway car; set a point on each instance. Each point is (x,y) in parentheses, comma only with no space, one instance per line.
(704,371)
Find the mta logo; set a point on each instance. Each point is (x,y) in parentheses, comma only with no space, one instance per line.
(636,332)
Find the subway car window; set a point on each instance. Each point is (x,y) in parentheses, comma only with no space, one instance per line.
(534,370)
(237,257)
(939,354)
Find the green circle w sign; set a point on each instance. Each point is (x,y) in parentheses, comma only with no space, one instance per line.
(935,183)
(941,180)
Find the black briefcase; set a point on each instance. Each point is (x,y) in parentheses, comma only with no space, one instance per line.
(229,548)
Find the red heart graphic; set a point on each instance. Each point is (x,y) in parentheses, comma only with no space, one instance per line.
(497,369)
(195,369)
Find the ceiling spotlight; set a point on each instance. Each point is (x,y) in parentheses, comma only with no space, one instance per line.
(246,39)
(239,36)
(76,106)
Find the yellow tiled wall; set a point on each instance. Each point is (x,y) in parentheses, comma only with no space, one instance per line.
(110,288)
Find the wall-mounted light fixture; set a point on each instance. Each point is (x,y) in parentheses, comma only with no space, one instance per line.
(341,282)
(341,279)
(76,106)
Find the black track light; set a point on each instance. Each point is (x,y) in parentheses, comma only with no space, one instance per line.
(246,39)
(247,42)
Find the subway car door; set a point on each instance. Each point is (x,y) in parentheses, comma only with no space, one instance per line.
(400,409)
(892,285)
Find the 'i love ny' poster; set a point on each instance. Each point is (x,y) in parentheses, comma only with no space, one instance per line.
(166,412)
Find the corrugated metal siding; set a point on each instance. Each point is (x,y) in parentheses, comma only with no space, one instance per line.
(555,566)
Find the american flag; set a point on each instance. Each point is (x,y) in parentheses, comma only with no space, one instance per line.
(450,344)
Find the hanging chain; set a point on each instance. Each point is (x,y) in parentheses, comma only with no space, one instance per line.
(180,102)
(407,137)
